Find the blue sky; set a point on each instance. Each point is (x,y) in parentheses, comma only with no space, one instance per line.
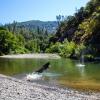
(45,10)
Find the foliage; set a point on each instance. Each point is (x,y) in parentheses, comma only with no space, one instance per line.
(80,49)
(68,48)
(15,39)
(65,49)
(83,28)
(55,48)
(10,43)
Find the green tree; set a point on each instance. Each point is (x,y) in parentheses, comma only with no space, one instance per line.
(7,41)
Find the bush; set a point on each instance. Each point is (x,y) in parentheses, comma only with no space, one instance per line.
(11,44)
(80,49)
(65,49)
(54,48)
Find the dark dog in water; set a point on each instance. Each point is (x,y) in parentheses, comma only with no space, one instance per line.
(43,68)
(37,75)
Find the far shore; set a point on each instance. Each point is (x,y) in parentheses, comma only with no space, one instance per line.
(33,55)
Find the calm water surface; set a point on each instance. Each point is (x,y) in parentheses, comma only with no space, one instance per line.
(63,71)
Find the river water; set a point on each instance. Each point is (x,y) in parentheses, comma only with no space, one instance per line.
(64,72)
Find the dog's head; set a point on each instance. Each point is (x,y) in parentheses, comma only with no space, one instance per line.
(47,65)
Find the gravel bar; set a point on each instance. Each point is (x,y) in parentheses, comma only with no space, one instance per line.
(33,55)
(14,89)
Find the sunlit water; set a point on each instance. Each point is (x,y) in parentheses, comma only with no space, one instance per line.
(63,72)
(80,65)
(81,61)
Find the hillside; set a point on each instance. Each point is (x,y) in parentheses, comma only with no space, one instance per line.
(82,29)
(26,37)
(50,26)
(77,33)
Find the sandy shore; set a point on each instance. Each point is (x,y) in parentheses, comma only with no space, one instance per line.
(36,55)
(14,89)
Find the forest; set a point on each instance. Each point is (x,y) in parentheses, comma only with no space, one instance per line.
(78,33)
(19,40)
(74,34)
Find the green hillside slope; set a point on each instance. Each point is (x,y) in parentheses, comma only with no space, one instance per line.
(82,29)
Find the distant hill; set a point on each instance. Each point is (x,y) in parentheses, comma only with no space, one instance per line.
(50,26)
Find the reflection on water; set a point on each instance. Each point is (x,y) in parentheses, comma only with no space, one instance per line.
(80,65)
(62,71)
(81,61)
(51,74)
(81,70)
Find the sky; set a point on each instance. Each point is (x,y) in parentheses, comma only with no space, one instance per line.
(44,10)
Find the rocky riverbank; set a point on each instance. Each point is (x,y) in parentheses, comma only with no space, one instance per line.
(14,89)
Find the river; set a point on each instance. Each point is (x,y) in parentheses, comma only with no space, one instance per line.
(63,72)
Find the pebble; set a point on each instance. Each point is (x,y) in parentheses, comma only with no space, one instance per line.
(14,89)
